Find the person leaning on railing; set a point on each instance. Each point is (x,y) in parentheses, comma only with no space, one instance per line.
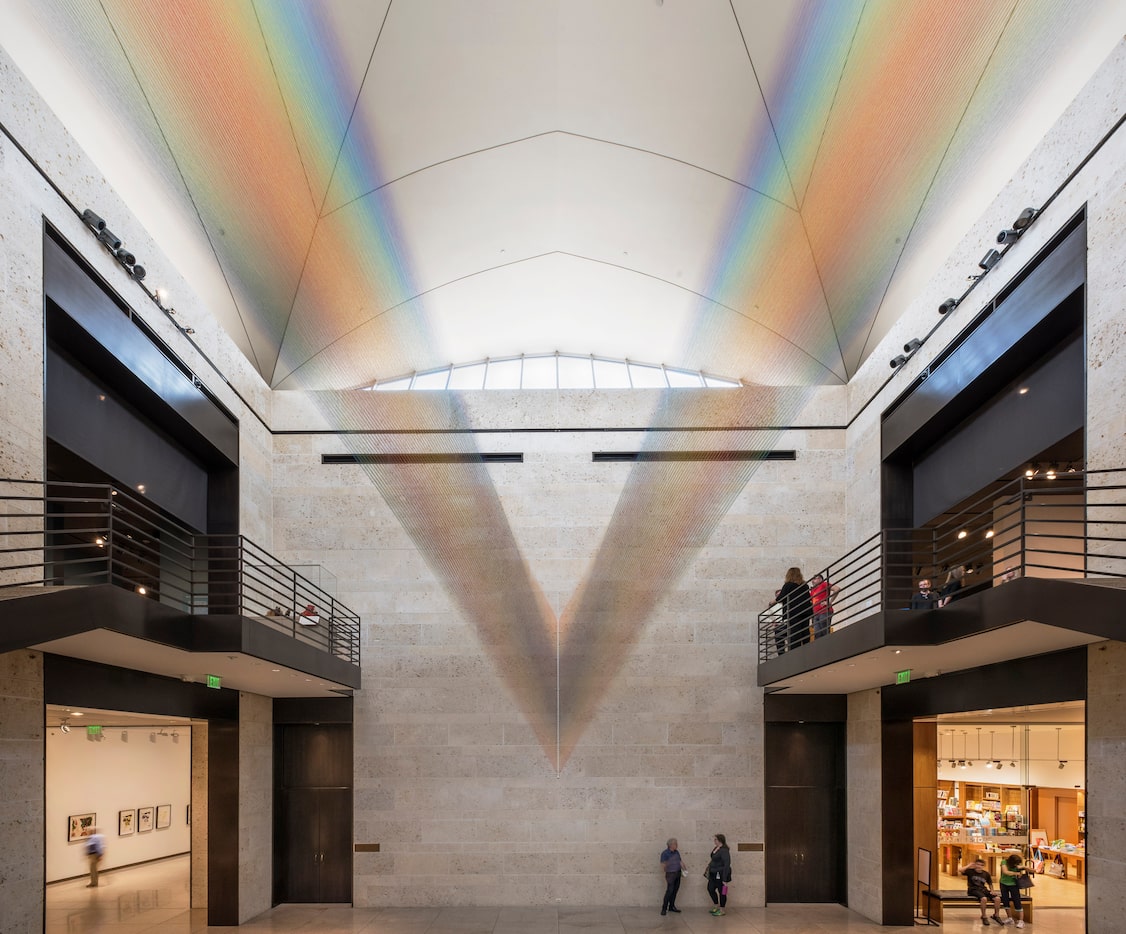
(797,610)
(822,594)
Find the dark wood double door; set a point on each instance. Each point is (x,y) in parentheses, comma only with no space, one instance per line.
(313,813)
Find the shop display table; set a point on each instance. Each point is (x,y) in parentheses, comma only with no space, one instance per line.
(1074,861)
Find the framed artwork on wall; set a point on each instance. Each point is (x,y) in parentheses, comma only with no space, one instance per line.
(163,816)
(144,819)
(79,826)
(126,822)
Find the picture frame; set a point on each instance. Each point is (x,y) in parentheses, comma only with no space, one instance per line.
(126,822)
(144,819)
(79,826)
(163,816)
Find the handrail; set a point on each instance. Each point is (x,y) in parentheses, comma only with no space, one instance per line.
(55,534)
(1073,526)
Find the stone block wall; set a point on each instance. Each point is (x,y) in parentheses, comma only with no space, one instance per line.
(22,764)
(255,805)
(458,773)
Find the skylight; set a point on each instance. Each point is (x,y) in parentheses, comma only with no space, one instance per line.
(555,371)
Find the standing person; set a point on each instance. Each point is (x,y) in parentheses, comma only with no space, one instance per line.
(979,885)
(952,586)
(1012,868)
(95,850)
(926,598)
(672,863)
(719,874)
(797,608)
(821,595)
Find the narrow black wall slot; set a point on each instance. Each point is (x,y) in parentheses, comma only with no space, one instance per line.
(630,457)
(452,458)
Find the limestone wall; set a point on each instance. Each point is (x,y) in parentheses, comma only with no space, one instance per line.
(487,774)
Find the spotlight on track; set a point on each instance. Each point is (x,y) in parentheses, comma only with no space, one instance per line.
(110,239)
(912,345)
(897,362)
(1026,217)
(948,306)
(65,726)
(989,260)
(91,220)
(1005,237)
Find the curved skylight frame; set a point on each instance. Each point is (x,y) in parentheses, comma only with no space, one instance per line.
(554,371)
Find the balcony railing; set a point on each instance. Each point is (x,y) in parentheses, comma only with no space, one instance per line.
(1070,527)
(78,535)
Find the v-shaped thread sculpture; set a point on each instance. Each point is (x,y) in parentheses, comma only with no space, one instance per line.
(559,670)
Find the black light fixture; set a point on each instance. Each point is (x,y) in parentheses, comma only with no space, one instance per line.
(65,726)
(1026,217)
(897,362)
(109,238)
(1062,762)
(91,220)
(1005,237)
(948,306)
(912,345)
(989,260)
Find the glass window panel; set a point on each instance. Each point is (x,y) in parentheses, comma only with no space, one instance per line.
(683,378)
(647,377)
(575,373)
(504,374)
(721,383)
(468,377)
(434,380)
(610,374)
(539,373)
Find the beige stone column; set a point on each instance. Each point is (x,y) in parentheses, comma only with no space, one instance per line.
(1106,786)
(256,805)
(199,815)
(22,763)
(865,822)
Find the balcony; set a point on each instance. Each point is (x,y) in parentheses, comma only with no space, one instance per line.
(1043,568)
(95,572)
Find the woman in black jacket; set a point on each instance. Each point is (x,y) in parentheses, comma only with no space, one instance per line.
(719,874)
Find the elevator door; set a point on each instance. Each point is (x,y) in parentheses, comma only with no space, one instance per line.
(314,814)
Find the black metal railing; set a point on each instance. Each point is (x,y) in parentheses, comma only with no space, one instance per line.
(78,535)
(1070,526)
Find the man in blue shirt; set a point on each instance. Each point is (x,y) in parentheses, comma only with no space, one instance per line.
(672,865)
(95,850)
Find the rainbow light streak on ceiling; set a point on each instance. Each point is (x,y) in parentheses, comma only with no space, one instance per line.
(366,188)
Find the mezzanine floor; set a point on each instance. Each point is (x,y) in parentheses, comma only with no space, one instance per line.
(154,898)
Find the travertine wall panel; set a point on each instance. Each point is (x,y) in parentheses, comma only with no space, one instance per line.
(451,779)
(22,764)
(865,806)
(255,805)
(1106,784)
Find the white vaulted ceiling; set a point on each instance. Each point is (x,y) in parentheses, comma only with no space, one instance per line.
(361,189)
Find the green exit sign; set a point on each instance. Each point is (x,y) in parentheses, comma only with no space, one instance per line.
(92,730)
(902,677)
(214,681)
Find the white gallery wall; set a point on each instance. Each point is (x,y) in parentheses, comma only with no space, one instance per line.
(106,778)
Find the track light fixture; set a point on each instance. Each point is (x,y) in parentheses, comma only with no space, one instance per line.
(1063,762)
(897,362)
(110,239)
(91,220)
(989,260)
(65,726)
(1032,470)
(1026,217)
(948,306)
(1005,237)
(912,345)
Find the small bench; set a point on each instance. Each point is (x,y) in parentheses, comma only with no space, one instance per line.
(938,899)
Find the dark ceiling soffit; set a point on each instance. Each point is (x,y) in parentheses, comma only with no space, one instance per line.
(75,682)
(76,291)
(982,346)
(506,457)
(805,708)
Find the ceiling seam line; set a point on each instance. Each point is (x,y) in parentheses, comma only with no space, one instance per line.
(765,104)
(544,134)
(587,259)
(183,181)
(285,106)
(833,103)
(934,177)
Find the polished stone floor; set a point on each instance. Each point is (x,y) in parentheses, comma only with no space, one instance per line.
(154,898)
